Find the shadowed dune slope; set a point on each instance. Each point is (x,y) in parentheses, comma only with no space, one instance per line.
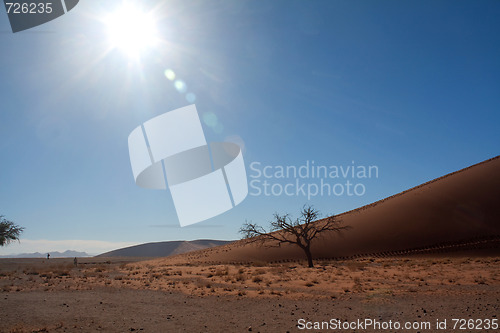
(455,209)
(163,249)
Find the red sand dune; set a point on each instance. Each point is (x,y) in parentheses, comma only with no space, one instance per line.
(458,211)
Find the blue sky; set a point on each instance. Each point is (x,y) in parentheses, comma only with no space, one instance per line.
(410,87)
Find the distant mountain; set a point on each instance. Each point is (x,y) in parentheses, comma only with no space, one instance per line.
(55,254)
(163,249)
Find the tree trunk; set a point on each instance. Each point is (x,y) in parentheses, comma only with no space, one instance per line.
(307,250)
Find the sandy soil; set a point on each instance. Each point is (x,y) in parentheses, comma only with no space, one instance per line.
(161,296)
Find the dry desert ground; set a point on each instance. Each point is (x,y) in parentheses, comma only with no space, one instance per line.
(162,295)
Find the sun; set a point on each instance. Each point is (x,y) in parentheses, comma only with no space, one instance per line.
(131,30)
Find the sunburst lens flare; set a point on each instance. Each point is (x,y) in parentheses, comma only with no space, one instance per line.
(180,86)
(190,97)
(170,74)
(131,30)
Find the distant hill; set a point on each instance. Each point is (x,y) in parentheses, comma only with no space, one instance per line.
(55,254)
(163,249)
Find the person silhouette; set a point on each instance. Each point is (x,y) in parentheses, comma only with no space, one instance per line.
(75,261)
(48,256)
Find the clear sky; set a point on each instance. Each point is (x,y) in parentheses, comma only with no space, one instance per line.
(411,87)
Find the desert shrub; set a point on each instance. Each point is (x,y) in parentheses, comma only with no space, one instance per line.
(259,263)
(357,284)
(222,271)
(99,268)
(278,270)
(480,280)
(61,273)
(257,279)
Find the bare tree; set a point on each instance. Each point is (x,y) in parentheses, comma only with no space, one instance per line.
(301,231)
(8,231)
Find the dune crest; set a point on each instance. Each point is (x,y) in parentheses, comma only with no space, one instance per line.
(453,213)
